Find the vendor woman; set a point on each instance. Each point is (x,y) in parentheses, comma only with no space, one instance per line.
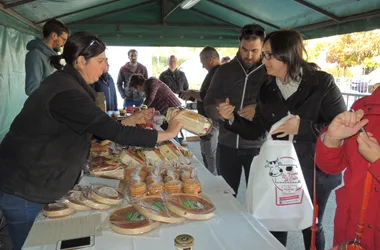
(48,142)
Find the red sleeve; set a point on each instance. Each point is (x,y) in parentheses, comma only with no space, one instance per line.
(374,169)
(329,160)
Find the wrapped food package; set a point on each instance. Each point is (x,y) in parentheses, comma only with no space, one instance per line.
(108,171)
(88,200)
(174,187)
(156,188)
(190,206)
(56,210)
(138,189)
(153,207)
(193,122)
(153,157)
(131,157)
(127,220)
(192,186)
(106,195)
(72,200)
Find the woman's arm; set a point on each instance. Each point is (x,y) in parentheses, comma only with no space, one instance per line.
(249,130)
(80,113)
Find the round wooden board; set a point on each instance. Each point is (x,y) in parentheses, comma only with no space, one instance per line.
(56,210)
(106,195)
(127,220)
(190,206)
(153,207)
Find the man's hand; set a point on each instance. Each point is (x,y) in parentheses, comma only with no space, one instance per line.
(290,127)
(368,147)
(226,110)
(248,112)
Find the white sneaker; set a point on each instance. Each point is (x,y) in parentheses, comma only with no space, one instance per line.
(184,143)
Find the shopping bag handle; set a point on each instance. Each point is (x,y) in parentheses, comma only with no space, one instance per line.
(278,124)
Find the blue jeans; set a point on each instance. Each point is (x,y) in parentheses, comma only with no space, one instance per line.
(19,214)
(130,103)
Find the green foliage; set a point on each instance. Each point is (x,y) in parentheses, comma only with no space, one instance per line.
(355,49)
(160,64)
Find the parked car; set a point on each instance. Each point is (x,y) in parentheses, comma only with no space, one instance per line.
(366,83)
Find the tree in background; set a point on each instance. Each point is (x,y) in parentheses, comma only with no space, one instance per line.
(355,49)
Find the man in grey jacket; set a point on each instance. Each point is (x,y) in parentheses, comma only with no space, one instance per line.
(238,82)
(37,64)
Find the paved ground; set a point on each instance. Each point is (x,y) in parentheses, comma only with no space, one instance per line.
(295,240)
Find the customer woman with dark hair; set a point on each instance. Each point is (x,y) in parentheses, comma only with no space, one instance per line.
(311,95)
(48,142)
(158,94)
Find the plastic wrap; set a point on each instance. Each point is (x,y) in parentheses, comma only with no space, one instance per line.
(154,157)
(191,206)
(174,186)
(109,171)
(57,210)
(192,186)
(193,122)
(106,195)
(72,200)
(87,199)
(138,189)
(153,207)
(172,174)
(130,157)
(127,220)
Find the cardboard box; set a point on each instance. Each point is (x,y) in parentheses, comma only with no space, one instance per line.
(101,101)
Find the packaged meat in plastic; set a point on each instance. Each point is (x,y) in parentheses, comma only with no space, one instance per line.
(193,122)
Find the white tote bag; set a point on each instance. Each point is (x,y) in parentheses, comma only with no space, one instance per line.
(277,194)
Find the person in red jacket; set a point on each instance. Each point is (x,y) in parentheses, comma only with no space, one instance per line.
(343,147)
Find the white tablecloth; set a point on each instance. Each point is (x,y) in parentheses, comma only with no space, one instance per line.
(233,228)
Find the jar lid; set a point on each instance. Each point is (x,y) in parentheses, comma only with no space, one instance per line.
(184,240)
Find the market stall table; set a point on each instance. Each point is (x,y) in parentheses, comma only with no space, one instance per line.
(231,228)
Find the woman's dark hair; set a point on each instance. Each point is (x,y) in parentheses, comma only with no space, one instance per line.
(79,44)
(287,47)
(136,80)
(252,32)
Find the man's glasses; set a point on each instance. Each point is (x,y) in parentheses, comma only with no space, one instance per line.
(94,41)
(63,39)
(267,55)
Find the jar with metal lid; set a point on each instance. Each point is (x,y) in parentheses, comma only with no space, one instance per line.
(184,242)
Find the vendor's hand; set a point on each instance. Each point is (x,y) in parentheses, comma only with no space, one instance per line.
(346,125)
(140,117)
(175,125)
(226,110)
(368,147)
(290,127)
(248,112)
(186,95)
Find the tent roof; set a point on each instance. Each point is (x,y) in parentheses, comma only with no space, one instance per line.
(209,22)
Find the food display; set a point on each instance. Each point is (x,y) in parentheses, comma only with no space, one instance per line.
(89,201)
(190,206)
(72,200)
(128,220)
(193,122)
(106,195)
(153,207)
(56,210)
